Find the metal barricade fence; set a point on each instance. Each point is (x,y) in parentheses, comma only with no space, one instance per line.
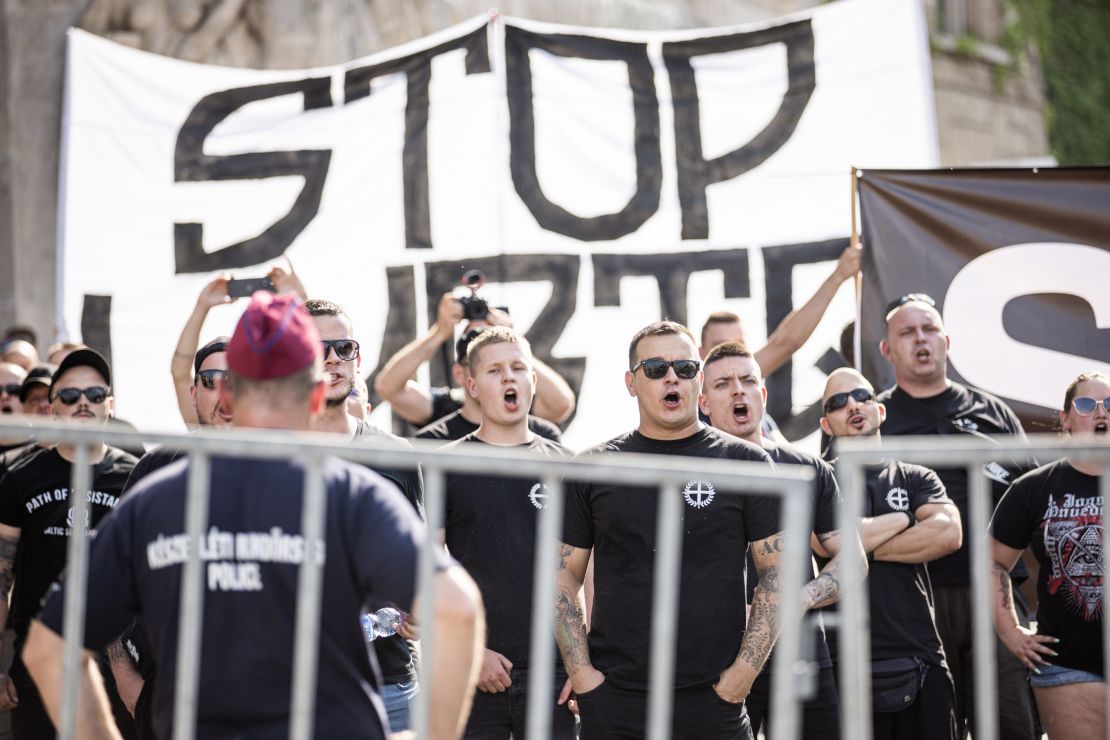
(666,474)
(953,451)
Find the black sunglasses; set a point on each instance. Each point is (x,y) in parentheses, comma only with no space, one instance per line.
(345,349)
(655,368)
(208,378)
(838,401)
(910,298)
(70,396)
(12,389)
(1085,405)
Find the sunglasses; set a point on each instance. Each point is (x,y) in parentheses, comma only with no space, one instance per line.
(70,396)
(655,368)
(838,401)
(1085,405)
(208,378)
(345,349)
(12,389)
(910,298)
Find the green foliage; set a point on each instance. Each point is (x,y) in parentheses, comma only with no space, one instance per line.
(1071,38)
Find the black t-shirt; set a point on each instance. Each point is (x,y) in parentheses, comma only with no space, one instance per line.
(455,426)
(444,401)
(956,410)
(34,497)
(491,530)
(12,455)
(253,551)
(901,595)
(826,500)
(396,655)
(156,459)
(618,522)
(1057,511)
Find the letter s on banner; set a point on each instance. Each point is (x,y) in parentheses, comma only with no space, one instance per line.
(985,355)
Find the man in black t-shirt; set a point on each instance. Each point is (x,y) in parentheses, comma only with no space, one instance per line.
(490,528)
(925,402)
(734,399)
(396,653)
(716,658)
(253,554)
(422,406)
(911,689)
(466,419)
(36,521)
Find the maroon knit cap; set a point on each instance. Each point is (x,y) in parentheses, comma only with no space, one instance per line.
(274,338)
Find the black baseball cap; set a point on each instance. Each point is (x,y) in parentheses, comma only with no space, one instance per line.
(219,344)
(463,344)
(39,375)
(85,357)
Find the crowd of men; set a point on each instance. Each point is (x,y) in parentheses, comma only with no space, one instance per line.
(293,363)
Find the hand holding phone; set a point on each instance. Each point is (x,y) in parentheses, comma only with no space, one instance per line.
(246,287)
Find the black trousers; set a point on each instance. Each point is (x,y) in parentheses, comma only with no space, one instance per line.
(931,717)
(612,713)
(1016,718)
(505,715)
(820,714)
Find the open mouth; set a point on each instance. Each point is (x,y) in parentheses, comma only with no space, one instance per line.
(6,410)
(741,412)
(857,421)
(334,378)
(672,400)
(512,401)
(923,355)
(1102,427)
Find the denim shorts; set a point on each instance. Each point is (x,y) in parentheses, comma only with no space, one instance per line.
(1058,675)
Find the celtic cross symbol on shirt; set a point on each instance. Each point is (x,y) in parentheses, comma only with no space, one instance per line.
(699,493)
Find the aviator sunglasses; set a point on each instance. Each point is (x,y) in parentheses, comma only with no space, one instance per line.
(1085,405)
(345,349)
(70,396)
(838,401)
(12,389)
(208,378)
(656,368)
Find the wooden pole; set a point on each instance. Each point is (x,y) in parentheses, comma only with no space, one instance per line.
(857,334)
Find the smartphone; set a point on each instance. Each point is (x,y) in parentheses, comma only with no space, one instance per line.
(246,288)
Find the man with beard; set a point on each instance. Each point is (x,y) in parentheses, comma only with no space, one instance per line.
(911,689)
(734,398)
(396,653)
(11,382)
(717,659)
(36,520)
(490,528)
(925,402)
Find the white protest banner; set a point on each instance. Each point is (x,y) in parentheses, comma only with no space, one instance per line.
(600,180)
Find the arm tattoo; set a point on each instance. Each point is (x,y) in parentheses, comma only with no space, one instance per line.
(771,546)
(826,536)
(8,549)
(1004,586)
(570,632)
(825,588)
(763,626)
(565,551)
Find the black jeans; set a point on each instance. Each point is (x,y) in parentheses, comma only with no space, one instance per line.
(1015,698)
(505,714)
(820,714)
(931,717)
(612,713)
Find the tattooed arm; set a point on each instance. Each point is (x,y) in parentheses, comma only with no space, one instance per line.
(1029,647)
(9,543)
(825,588)
(763,623)
(570,618)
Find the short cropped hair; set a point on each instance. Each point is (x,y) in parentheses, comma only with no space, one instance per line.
(718,317)
(663,328)
(320,307)
(727,349)
(495,335)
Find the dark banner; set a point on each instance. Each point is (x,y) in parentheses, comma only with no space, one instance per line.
(1018,261)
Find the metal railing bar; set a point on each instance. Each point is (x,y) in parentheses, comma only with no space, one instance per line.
(541,661)
(435,509)
(192,601)
(664,611)
(980,507)
(310,587)
(854,634)
(76,592)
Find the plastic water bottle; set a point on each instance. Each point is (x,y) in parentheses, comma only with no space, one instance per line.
(382,623)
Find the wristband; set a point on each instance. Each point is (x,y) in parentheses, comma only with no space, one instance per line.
(913,519)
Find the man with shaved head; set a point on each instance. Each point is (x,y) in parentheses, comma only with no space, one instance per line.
(22,353)
(911,689)
(924,401)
